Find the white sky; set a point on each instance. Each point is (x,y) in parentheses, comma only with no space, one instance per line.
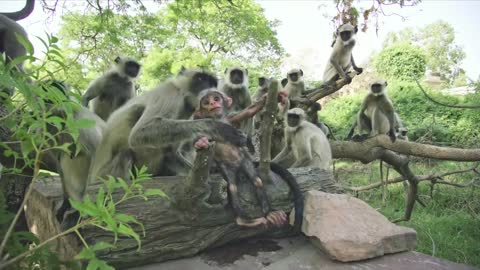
(306,33)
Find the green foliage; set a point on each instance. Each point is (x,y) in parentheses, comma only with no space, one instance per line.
(401,61)
(426,121)
(191,33)
(438,42)
(37,116)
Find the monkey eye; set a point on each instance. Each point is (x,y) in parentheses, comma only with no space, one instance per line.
(216,98)
(205,102)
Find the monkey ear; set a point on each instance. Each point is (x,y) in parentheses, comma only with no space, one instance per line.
(117,59)
(301,72)
(356,29)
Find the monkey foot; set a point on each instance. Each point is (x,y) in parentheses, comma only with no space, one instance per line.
(251,222)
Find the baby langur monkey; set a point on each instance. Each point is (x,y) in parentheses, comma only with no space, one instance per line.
(114,88)
(306,141)
(376,116)
(400,130)
(295,85)
(341,59)
(235,162)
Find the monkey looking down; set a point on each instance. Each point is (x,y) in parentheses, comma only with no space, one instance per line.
(341,59)
(235,163)
(114,88)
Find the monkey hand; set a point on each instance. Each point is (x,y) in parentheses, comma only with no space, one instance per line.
(201,143)
(277,218)
(230,134)
(391,134)
(359,70)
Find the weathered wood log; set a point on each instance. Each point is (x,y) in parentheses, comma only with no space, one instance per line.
(172,230)
(266,130)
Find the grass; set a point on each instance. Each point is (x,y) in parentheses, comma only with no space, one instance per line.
(448,227)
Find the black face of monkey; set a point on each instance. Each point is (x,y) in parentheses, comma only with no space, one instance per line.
(293,76)
(132,68)
(284,82)
(377,88)
(293,120)
(345,35)
(262,81)
(202,81)
(236,76)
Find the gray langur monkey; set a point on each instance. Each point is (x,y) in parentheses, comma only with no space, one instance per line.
(150,128)
(236,87)
(295,85)
(9,29)
(73,168)
(377,115)
(262,89)
(341,59)
(307,143)
(114,88)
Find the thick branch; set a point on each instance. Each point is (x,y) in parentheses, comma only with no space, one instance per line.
(355,149)
(267,129)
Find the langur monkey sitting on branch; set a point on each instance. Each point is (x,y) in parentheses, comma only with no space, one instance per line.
(114,88)
(309,145)
(341,59)
(295,85)
(376,116)
(235,163)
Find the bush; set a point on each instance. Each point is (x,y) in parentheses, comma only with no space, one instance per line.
(401,61)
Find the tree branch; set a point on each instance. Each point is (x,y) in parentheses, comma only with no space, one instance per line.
(271,108)
(444,104)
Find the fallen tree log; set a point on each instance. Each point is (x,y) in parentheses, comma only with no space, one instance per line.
(196,217)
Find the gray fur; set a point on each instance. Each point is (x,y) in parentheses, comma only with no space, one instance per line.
(308,144)
(111,90)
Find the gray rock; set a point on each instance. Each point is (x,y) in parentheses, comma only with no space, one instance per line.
(348,229)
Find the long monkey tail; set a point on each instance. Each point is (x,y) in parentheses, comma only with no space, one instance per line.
(297,193)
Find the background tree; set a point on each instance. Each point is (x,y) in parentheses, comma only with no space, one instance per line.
(438,41)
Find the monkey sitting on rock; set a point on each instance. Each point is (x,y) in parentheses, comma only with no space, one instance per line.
(235,163)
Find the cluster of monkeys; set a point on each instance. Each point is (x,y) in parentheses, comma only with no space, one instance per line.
(161,128)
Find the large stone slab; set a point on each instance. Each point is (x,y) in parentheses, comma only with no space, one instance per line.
(348,229)
(296,253)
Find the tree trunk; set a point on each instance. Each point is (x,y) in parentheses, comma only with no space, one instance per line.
(194,219)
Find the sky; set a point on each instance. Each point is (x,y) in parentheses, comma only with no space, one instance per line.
(306,31)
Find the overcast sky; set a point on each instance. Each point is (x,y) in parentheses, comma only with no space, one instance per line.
(305,31)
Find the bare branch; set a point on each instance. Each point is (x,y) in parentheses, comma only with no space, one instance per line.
(444,104)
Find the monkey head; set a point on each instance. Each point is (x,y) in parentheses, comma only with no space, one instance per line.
(127,66)
(378,87)
(346,33)
(236,77)
(403,131)
(212,104)
(295,75)
(263,82)
(284,82)
(295,117)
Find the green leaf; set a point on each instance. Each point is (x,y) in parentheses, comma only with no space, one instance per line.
(155,191)
(86,207)
(101,245)
(127,230)
(85,254)
(26,43)
(95,264)
(100,197)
